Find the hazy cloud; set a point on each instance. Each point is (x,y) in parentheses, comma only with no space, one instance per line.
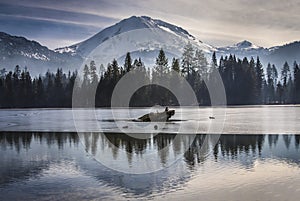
(50,33)
(216,22)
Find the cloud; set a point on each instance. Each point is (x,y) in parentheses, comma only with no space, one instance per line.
(53,28)
(50,33)
(52,14)
(265,22)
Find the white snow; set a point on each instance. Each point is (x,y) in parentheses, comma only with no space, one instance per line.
(37,56)
(137,34)
(66,50)
(167,29)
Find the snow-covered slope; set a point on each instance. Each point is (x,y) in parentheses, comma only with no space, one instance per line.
(15,50)
(275,55)
(243,48)
(143,36)
(279,54)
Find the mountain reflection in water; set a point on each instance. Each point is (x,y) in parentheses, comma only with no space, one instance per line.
(39,166)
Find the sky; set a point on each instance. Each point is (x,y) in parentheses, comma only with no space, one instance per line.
(59,23)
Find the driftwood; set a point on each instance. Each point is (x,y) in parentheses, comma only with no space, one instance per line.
(157,117)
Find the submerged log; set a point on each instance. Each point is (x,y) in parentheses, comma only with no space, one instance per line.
(158,116)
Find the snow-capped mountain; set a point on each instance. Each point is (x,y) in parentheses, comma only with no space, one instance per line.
(15,50)
(275,55)
(142,36)
(243,48)
(279,54)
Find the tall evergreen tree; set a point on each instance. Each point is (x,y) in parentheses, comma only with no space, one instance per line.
(128,62)
(286,79)
(285,73)
(39,93)
(175,65)
(259,79)
(296,83)
(270,84)
(214,62)
(274,74)
(187,60)
(200,64)
(58,88)
(161,64)
(86,76)
(17,72)
(252,82)
(115,70)
(93,73)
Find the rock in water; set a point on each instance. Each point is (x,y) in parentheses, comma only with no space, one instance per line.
(159,116)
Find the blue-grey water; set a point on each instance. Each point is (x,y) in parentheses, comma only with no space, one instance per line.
(57,166)
(230,120)
(42,159)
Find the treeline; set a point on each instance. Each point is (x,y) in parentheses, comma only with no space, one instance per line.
(19,90)
(245,82)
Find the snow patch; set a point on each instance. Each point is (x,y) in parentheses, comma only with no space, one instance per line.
(36,56)
(146,34)
(72,50)
(167,29)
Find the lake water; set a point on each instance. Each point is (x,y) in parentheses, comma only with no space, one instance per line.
(231,120)
(257,157)
(56,166)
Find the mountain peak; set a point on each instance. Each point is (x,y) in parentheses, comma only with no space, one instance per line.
(244,44)
(17,50)
(132,24)
(138,22)
(242,48)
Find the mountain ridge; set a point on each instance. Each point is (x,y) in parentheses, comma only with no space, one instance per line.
(132,23)
(17,50)
(151,35)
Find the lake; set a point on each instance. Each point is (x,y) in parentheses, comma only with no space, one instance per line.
(230,120)
(256,157)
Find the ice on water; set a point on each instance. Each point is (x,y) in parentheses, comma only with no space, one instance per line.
(230,120)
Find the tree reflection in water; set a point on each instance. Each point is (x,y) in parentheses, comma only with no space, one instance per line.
(27,155)
(230,145)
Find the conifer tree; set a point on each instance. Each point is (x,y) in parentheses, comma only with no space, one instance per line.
(175,65)
(128,62)
(93,73)
(187,60)
(200,64)
(296,83)
(86,75)
(259,79)
(161,64)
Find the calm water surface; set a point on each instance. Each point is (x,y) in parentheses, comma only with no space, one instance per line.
(64,166)
(231,120)
(42,157)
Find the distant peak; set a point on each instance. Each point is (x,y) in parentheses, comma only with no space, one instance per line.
(134,17)
(146,17)
(141,22)
(244,44)
(137,22)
